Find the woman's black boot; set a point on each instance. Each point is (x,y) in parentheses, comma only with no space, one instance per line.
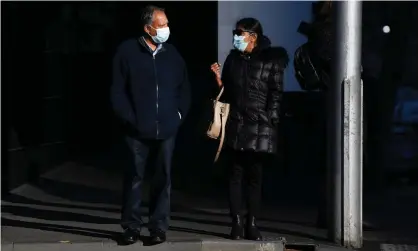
(252,232)
(237,231)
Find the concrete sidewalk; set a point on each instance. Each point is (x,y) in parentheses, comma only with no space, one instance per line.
(76,207)
(192,245)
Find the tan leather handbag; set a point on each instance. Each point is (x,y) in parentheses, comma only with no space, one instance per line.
(217,126)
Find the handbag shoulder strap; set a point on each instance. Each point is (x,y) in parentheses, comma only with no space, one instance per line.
(223,121)
(220,94)
(221,143)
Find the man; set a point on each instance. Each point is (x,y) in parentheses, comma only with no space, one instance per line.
(150,94)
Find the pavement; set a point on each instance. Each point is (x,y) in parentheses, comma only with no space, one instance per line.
(77,207)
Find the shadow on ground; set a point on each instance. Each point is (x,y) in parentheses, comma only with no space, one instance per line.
(73,208)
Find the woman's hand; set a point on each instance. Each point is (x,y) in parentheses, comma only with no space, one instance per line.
(216,69)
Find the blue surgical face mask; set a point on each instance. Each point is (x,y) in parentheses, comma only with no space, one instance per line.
(162,35)
(239,43)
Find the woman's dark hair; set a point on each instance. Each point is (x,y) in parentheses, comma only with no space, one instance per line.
(251,24)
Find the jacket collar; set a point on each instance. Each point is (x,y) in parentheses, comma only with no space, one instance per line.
(144,46)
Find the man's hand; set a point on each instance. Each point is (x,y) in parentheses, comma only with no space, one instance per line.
(216,69)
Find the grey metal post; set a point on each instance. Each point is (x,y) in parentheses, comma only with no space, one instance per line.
(346,130)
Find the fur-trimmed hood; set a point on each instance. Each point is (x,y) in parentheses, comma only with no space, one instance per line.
(265,52)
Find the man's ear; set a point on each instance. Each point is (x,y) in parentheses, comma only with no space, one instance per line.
(146,29)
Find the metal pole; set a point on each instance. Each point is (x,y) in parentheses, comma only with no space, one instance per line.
(346,98)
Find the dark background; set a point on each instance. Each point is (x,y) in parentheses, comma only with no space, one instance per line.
(56,75)
(56,59)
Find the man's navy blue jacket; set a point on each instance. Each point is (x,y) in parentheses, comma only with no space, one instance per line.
(150,94)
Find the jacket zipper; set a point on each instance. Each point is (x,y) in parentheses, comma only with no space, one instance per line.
(156,104)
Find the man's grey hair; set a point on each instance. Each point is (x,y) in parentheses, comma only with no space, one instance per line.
(147,14)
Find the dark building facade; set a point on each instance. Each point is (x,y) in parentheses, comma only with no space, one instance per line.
(56,79)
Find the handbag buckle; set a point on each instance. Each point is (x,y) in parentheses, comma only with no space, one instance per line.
(222,107)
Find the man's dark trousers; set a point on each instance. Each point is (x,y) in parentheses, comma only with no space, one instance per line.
(156,155)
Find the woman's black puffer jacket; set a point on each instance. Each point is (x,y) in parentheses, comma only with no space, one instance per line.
(253,87)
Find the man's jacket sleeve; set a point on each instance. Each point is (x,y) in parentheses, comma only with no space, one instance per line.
(119,98)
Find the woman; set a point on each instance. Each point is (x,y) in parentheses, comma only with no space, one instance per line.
(252,78)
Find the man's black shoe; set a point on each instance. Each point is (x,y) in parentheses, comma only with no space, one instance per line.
(157,237)
(130,236)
